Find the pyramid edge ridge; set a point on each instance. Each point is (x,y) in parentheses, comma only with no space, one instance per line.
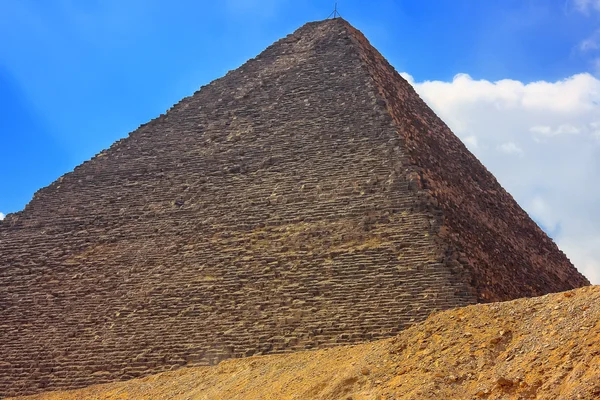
(421,176)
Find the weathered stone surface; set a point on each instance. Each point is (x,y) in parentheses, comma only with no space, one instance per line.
(550,349)
(506,253)
(307,199)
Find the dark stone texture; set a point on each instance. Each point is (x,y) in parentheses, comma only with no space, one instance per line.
(507,254)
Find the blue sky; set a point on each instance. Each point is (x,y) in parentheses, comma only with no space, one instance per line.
(77,75)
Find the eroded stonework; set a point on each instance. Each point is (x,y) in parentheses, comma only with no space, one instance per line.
(305,200)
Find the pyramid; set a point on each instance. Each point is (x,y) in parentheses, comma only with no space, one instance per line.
(307,199)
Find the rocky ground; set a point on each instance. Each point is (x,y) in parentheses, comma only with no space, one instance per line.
(540,348)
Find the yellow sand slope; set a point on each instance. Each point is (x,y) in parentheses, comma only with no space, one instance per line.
(541,348)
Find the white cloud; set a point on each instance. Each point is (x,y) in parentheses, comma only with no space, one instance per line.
(571,95)
(541,129)
(563,129)
(585,6)
(596,65)
(470,141)
(554,129)
(2,216)
(544,214)
(566,129)
(591,43)
(586,250)
(510,148)
(595,129)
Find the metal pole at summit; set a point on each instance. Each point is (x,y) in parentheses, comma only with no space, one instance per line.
(335,12)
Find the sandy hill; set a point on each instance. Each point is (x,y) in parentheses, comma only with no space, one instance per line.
(546,347)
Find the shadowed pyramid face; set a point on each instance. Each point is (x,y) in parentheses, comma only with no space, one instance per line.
(307,199)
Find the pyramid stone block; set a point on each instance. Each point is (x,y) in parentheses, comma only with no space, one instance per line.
(307,199)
